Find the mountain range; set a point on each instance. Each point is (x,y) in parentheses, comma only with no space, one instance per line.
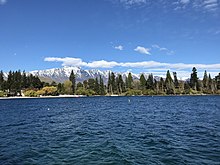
(62,74)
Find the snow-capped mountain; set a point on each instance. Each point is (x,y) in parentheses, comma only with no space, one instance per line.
(62,74)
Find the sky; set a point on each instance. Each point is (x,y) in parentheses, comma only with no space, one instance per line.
(121,35)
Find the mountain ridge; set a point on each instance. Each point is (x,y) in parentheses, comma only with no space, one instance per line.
(62,74)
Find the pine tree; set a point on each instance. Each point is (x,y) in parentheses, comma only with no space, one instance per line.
(60,88)
(102,87)
(176,82)
(109,83)
(205,80)
(1,80)
(170,88)
(91,84)
(24,84)
(150,82)
(161,85)
(85,84)
(142,82)
(210,84)
(97,91)
(130,81)
(121,84)
(113,83)
(72,78)
(194,80)
(217,80)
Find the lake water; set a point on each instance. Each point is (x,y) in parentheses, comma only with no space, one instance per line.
(111,130)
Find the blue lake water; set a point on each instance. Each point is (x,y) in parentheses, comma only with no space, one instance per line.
(111,130)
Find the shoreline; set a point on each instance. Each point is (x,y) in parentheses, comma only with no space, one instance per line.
(43,97)
(82,96)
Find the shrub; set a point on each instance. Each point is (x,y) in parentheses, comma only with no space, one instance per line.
(134,92)
(30,93)
(2,94)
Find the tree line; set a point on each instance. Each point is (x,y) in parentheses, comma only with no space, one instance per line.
(21,83)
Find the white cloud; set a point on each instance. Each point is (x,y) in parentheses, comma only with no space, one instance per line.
(2,2)
(102,64)
(184,1)
(142,50)
(132,2)
(166,50)
(205,5)
(119,47)
(69,61)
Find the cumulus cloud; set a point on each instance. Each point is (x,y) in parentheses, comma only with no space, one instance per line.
(2,2)
(69,61)
(142,50)
(119,47)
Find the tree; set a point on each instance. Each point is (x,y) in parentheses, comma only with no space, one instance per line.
(210,84)
(96,87)
(161,85)
(91,84)
(142,82)
(150,82)
(176,82)
(120,84)
(68,87)
(205,80)
(194,80)
(24,80)
(79,85)
(85,84)
(113,83)
(170,88)
(60,88)
(1,80)
(130,81)
(102,87)
(109,83)
(72,78)
(217,80)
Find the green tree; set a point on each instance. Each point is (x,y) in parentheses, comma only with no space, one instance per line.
(120,84)
(210,84)
(72,78)
(109,83)
(217,80)
(91,84)
(102,86)
(96,87)
(68,87)
(205,80)
(176,82)
(24,84)
(161,86)
(150,82)
(194,84)
(142,82)
(79,85)
(113,83)
(60,88)
(170,88)
(1,80)
(130,81)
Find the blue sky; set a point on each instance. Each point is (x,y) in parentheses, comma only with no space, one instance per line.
(136,35)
